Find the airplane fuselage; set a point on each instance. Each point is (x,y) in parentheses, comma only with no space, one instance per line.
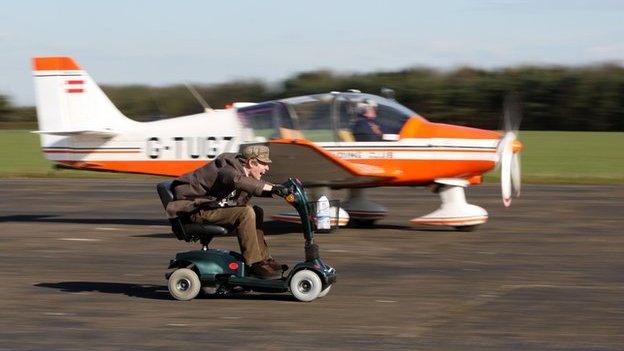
(175,146)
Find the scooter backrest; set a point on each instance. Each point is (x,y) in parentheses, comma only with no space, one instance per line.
(166,196)
(164,191)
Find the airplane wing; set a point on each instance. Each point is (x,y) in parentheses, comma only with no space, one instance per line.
(101,133)
(317,167)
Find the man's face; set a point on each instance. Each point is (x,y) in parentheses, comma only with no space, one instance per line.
(371,112)
(257,169)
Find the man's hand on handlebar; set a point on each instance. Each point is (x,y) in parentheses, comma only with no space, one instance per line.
(280,190)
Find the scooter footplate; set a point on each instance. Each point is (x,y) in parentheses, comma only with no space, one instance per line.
(251,282)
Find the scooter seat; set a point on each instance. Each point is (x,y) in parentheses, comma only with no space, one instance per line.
(181,227)
(204,229)
(191,232)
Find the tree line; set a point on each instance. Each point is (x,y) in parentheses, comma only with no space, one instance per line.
(552,98)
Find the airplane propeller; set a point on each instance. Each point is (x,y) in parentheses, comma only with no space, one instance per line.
(508,150)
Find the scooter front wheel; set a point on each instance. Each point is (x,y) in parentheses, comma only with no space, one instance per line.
(325,291)
(184,284)
(305,285)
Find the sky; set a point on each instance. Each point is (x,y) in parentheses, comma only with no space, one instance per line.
(169,42)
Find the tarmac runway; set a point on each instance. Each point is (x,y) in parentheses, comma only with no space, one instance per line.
(83,264)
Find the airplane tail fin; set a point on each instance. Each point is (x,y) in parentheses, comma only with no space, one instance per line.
(70,103)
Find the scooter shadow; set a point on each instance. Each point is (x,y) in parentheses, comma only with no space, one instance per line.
(146,291)
(252,297)
(153,292)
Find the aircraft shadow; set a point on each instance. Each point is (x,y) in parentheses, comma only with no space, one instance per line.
(280,228)
(409,228)
(156,236)
(270,227)
(50,218)
(149,291)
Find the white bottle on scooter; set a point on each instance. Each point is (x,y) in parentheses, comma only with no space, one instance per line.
(322,214)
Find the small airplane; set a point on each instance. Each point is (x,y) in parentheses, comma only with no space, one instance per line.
(315,137)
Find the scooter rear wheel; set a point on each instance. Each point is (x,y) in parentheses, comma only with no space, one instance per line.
(305,285)
(184,284)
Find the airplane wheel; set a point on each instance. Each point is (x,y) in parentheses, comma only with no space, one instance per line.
(363,223)
(467,228)
(325,291)
(184,284)
(305,285)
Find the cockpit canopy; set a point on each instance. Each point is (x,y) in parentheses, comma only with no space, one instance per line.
(331,117)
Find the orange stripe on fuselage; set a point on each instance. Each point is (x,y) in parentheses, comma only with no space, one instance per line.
(54,63)
(165,168)
(404,149)
(89,152)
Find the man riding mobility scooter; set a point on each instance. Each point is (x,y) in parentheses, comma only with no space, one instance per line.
(222,271)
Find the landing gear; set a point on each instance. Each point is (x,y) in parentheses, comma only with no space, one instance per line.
(466,228)
(362,211)
(363,223)
(454,211)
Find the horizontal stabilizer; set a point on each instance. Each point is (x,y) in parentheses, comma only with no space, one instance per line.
(314,166)
(100,133)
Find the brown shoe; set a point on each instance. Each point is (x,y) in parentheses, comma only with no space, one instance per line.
(276,266)
(263,270)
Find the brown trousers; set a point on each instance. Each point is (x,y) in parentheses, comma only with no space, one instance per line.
(247,221)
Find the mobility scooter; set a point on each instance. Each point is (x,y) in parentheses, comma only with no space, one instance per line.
(221,271)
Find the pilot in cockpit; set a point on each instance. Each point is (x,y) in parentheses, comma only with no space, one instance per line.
(365,128)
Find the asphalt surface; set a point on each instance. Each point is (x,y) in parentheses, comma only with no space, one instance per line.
(83,264)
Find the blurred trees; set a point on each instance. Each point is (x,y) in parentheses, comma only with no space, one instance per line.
(553,98)
(146,103)
(5,107)
(15,117)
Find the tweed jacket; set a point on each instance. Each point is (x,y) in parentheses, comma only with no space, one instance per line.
(207,186)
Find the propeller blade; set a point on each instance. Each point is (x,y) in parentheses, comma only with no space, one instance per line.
(505,149)
(508,161)
(515,174)
(512,113)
